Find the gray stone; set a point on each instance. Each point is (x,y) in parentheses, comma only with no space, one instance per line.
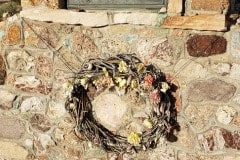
(237,98)
(11,150)
(221,68)
(200,115)
(20,61)
(235,71)
(33,104)
(6,99)
(186,67)
(235,46)
(11,128)
(210,89)
(225,114)
(45,140)
(156,51)
(110,110)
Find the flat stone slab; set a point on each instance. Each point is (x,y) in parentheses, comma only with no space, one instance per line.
(90,19)
(110,110)
(200,22)
(211,90)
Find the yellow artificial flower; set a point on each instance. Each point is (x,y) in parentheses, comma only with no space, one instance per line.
(122,67)
(164,86)
(121,82)
(134,139)
(141,68)
(67,85)
(105,72)
(134,84)
(147,123)
(72,106)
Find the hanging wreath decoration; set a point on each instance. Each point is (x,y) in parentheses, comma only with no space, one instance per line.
(123,73)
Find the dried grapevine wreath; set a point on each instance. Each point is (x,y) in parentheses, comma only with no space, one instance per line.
(123,73)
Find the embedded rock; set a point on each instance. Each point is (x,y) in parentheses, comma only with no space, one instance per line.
(110,110)
(200,115)
(214,22)
(11,150)
(44,66)
(210,90)
(56,110)
(33,104)
(235,71)
(206,45)
(13,35)
(11,128)
(20,61)
(210,5)
(155,51)
(84,46)
(40,122)
(2,71)
(225,114)
(6,99)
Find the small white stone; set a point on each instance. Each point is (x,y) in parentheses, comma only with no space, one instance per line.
(222,68)
(235,71)
(32,104)
(45,140)
(56,110)
(225,114)
(28,143)
(163,10)
(237,98)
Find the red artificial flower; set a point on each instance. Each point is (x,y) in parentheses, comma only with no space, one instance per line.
(148,80)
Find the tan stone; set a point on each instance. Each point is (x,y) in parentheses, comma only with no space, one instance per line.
(175,6)
(10,150)
(66,16)
(200,22)
(210,5)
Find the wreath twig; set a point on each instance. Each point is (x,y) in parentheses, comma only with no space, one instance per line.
(123,73)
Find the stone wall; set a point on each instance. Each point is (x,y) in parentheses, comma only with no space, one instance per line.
(205,65)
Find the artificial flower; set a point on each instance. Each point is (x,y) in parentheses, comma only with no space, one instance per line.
(105,72)
(134,139)
(68,87)
(84,82)
(147,123)
(164,86)
(148,80)
(71,105)
(122,67)
(121,82)
(155,97)
(141,68)
(134,84)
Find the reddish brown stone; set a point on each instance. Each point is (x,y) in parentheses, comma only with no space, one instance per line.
(13,35)
(40,122)
(232,139)
(2,71)
(44,66)
(30,84)
(206,45)
(49,36)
